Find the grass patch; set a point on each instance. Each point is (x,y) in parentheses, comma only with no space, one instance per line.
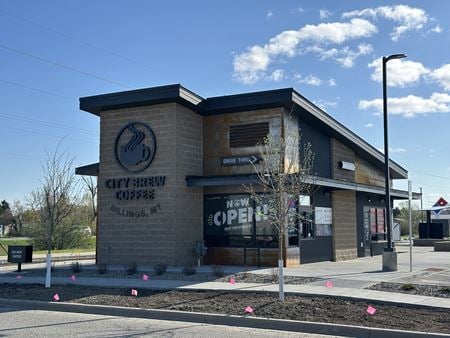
(12,241)
(408,287)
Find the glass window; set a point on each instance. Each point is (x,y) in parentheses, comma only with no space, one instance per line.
(238,215)
(239,221)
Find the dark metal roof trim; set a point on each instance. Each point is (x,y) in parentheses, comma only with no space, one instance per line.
(286,97)
(141,97)
(88,170)
(248,101)
(214,181)
(347,133)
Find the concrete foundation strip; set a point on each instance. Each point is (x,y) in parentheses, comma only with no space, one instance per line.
(219,319)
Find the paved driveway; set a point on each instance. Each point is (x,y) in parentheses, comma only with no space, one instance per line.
(428,267)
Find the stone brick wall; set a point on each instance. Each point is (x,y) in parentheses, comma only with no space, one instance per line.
(168,234)
(344,225)
(216,132)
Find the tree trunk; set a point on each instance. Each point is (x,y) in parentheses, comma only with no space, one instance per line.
(280,269)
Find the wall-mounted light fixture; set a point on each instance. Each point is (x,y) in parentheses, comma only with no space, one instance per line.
(347,165)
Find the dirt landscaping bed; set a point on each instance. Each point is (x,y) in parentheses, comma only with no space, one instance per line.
(305,308)
(413,289)
(240,277)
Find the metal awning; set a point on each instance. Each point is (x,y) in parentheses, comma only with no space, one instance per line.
(88,170)
(215,181)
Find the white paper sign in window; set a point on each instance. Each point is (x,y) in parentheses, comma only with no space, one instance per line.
(323,215)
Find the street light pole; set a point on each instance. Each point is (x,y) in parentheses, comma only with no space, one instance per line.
(389,253)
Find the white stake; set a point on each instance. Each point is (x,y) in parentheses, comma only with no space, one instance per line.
(49,269)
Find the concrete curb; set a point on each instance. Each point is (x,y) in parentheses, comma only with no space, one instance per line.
(218,319)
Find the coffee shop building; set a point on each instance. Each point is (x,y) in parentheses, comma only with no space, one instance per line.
(173,169)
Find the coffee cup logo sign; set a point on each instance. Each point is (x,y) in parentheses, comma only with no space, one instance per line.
(135,147)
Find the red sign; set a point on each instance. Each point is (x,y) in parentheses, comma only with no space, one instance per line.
(440,202)
(380,221)
(373,220)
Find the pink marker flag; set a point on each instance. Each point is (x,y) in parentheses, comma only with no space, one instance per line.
(249,309)
(329,284)
(371,310)
(133,292)
(232,281)
(145,277)
(56,297)
(73,277)
(19,277)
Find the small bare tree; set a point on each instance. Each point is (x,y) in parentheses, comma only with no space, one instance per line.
(283,176)
(56,199)
(90,184)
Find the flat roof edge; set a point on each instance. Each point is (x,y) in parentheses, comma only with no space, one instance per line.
(347,133)
(140,97)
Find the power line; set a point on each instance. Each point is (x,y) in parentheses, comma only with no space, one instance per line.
(429,174)
(45,134)
(37,90)
(47,123)
(63,66)
(67,36)
(19,155)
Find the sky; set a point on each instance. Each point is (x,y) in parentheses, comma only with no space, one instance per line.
(54,52)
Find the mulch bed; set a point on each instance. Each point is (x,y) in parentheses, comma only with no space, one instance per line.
(413,289)
(305,308)
(240,277)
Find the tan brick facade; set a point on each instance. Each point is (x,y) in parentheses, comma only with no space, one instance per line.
(216,132)
(169,233)
(344,225)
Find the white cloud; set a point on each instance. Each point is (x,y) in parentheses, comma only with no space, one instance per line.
(322,104)
(300,10)
(408,18)
(313,80)
(436,29)
(324,14)
(269,14)
(251,65)
(393,150)
(442,76)
(368,125)
(345,56)
(276,76)
(399,72)
(441,97)
(409,106)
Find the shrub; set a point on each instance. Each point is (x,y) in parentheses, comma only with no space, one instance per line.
(274,275)
(446,289)
(189,270)
(408,287)
(102,269)
(76,267)
(217,271)
(131,268)
(159,268)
